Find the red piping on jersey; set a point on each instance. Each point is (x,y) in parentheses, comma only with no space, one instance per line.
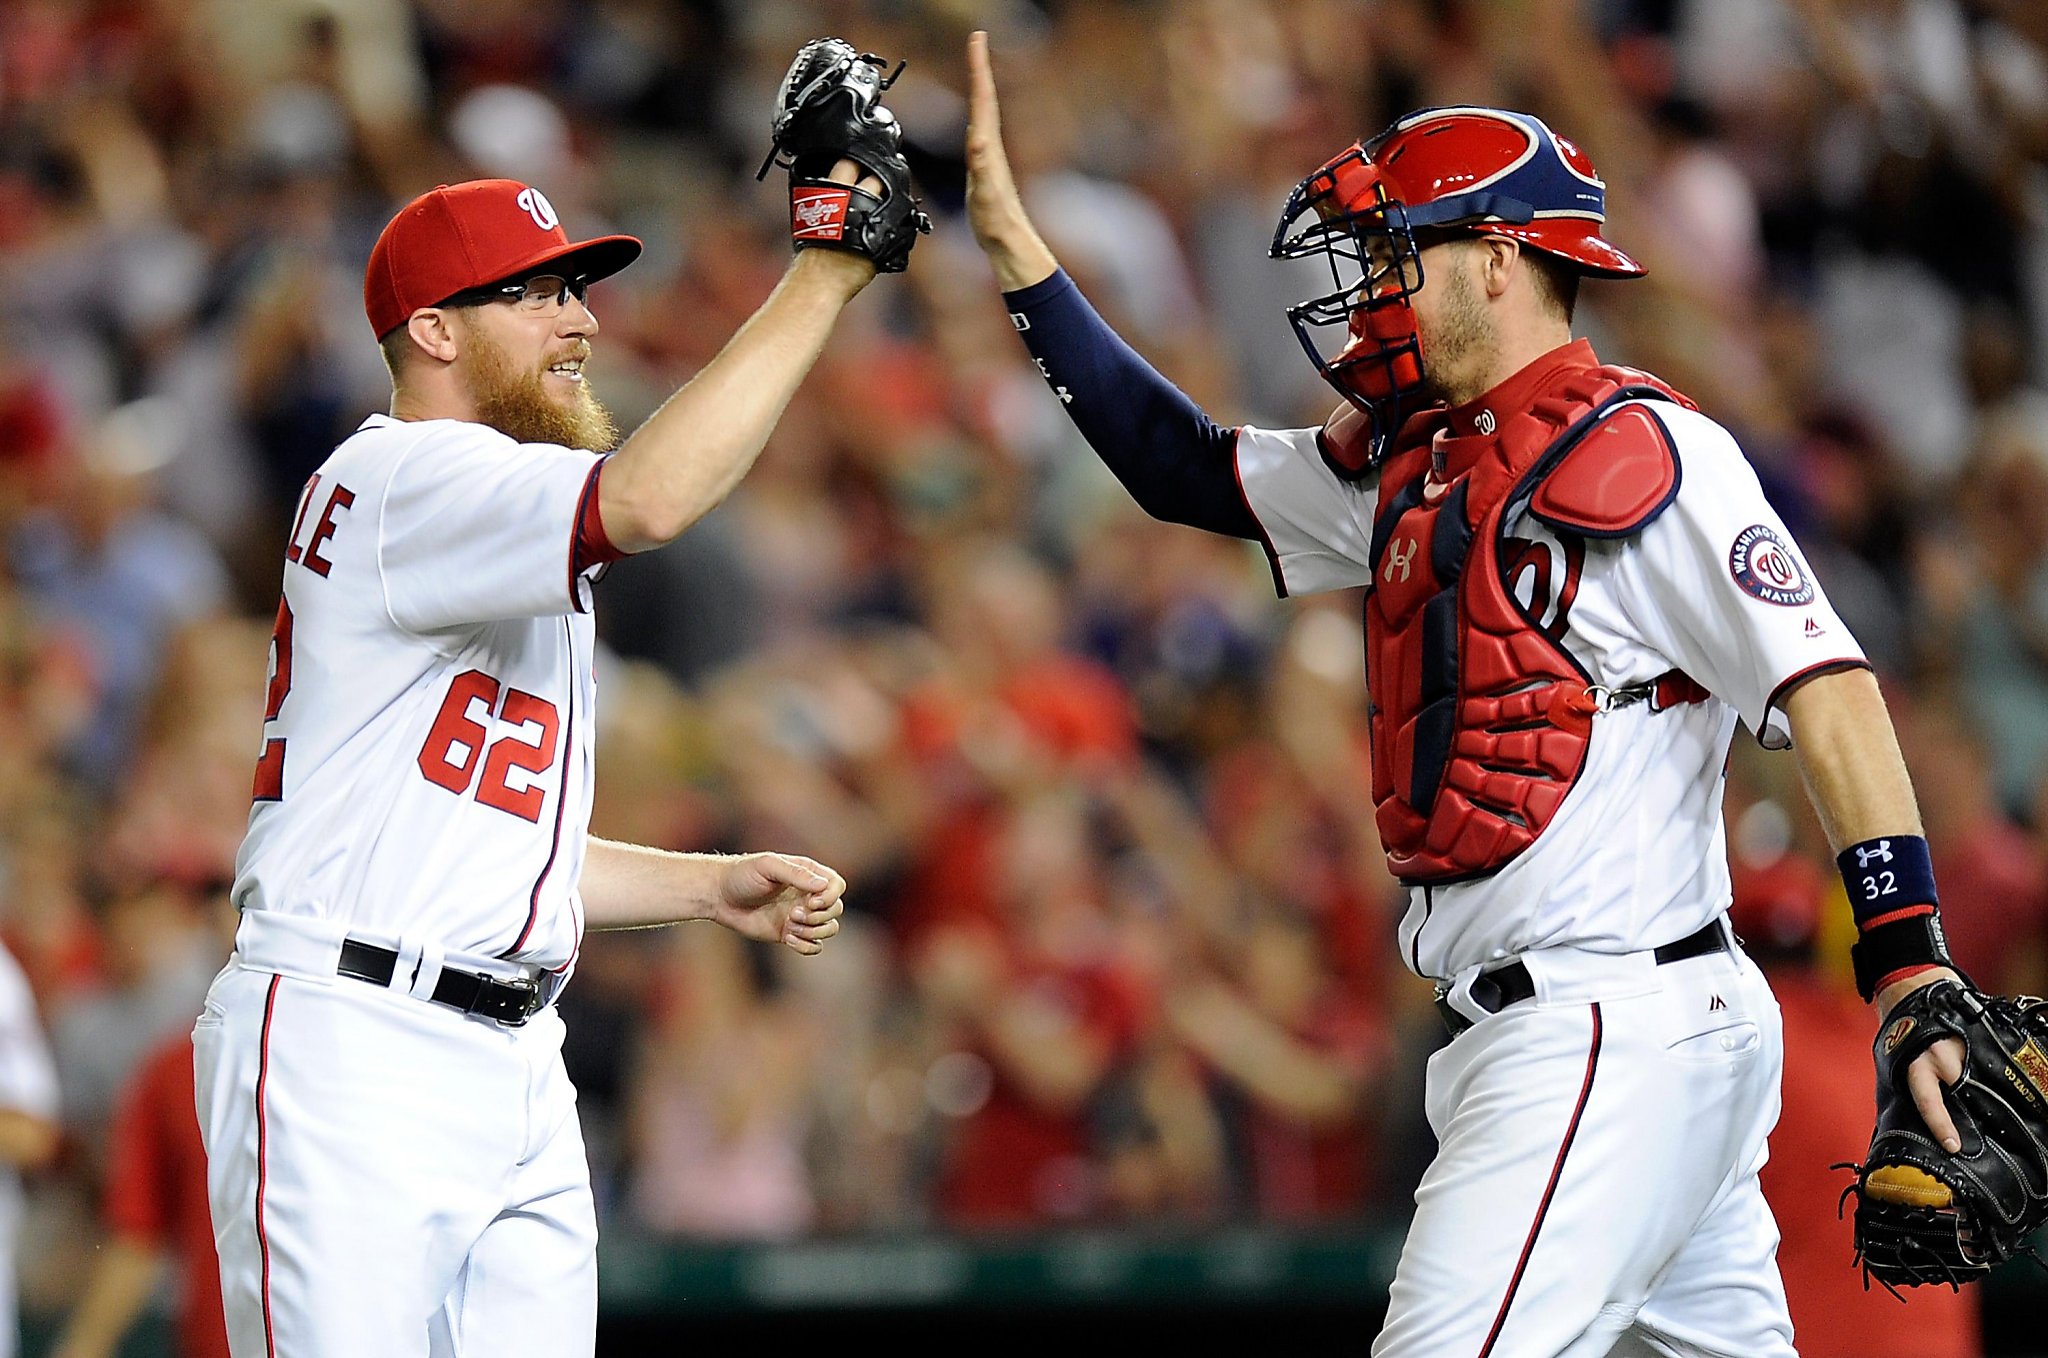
(1843,663)
(561,802)
(588,544)
(1549,1190)
(263,1163)
(1265,540)
(575,944)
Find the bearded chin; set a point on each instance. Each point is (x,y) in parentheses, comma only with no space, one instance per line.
(1460,332)
(518,405)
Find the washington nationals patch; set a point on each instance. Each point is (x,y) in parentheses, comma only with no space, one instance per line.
(1763,564)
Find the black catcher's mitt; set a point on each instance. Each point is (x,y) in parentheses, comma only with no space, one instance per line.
(830,106)
(1922,1214)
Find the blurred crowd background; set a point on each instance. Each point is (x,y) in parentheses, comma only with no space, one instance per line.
(1119,948)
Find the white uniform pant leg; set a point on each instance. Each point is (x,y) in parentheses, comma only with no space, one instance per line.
(359,1143)
(529,1284)
(1581,1146)
(1722,1296)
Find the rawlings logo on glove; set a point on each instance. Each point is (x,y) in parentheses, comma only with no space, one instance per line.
(1924,1215)
(830,108)
(818,214)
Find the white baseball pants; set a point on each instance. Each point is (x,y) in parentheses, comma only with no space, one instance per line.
(387,1176)
(1595,1185)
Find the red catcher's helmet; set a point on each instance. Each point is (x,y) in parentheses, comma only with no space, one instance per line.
(1489,170)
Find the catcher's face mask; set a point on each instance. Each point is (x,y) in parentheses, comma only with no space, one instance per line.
(1361,334)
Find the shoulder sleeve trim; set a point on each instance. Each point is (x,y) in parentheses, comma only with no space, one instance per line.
(1613,482)
(1776,702)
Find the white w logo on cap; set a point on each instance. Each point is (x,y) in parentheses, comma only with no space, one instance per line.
(539,208)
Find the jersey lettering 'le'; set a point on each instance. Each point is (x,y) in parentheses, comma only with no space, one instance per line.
(425,770)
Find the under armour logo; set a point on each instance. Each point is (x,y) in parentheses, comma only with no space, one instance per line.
(1398,557)
(539,208)
(1881,854)
(1716,1003)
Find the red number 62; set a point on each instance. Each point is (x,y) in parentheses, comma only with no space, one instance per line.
(454,728)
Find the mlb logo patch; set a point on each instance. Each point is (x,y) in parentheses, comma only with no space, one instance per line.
(818,214)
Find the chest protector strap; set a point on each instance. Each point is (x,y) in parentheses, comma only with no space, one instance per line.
(1480,718)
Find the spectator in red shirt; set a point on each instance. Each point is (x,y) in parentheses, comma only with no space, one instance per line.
(1044,1011)
(155,1208)
(1295,1054)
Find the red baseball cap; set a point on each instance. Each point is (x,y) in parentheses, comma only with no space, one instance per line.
(463,236)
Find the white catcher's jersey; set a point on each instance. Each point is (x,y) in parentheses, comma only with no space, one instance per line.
(1636,857)
(426,767)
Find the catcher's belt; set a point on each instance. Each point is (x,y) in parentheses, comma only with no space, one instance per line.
(1495,990)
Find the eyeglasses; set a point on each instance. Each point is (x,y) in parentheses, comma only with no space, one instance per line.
(541,295)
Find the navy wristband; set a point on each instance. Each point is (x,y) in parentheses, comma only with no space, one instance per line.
(1898,917)
(1887,876)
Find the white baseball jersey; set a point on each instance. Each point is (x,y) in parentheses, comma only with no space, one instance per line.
(28,1084)
(1715,587)
(426,768)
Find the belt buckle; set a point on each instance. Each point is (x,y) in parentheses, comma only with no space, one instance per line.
(529,1001)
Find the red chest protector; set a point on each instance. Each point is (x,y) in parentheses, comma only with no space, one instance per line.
(1480,720)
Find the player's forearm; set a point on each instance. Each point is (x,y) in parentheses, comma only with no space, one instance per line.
(122,1280)
(691,453)
(629,886)
(1849,757)
(1857,780)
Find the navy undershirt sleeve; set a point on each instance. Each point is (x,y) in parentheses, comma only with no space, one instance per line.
(1177,463)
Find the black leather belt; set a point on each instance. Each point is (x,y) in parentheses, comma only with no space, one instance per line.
(1495,990)
(511,1003)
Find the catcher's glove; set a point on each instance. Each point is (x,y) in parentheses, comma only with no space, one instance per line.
(1924,1215)
(830,106)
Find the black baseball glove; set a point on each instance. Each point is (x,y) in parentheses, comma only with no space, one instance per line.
(830,107)
(1924,1215)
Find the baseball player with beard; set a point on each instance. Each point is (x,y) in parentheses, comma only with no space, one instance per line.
(1573,588)
(394,1159)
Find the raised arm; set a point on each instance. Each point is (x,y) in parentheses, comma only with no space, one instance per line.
(691,453)
(1178,464)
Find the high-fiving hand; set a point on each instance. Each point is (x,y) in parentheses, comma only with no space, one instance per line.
(994,209)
